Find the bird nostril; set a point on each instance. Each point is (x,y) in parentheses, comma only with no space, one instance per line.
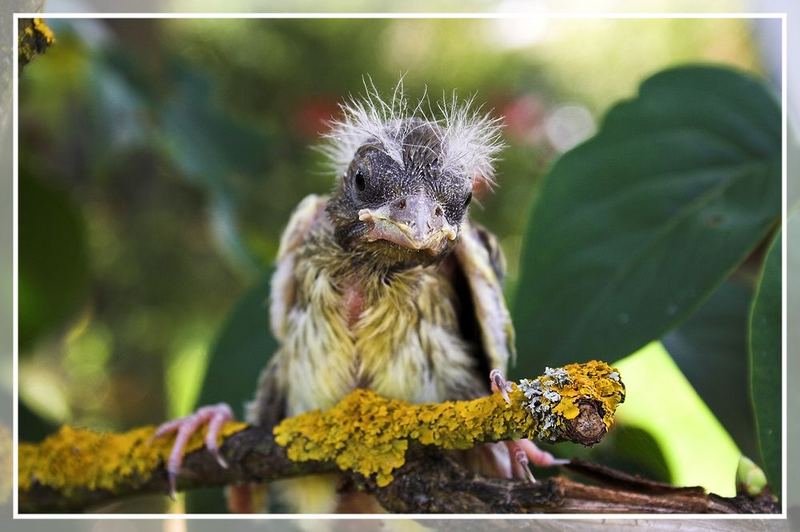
(438,211)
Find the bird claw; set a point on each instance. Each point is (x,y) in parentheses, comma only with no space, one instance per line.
(520,460)
(218,457)
(500,384)
(214,416)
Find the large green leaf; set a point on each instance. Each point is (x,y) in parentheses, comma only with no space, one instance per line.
(765,363)
(713,342)
(633,229)
(53,260)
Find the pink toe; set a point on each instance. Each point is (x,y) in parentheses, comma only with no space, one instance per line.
(520,461)
(538,457)
(166,428)
(214,426)
(186,427)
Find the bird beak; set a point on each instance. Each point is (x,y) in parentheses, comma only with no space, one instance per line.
(415,222)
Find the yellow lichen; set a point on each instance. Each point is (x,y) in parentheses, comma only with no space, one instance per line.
(34,39)
(555,396)
(40,27)
(365,432)
(76,458)
(370,434)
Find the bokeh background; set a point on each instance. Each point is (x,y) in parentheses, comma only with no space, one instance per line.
(160,159)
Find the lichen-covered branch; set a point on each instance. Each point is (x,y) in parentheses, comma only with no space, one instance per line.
(34,37)
(370,434)
(392,449)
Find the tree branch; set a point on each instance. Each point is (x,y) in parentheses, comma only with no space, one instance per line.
(33,39)
(396,451)
(431,481)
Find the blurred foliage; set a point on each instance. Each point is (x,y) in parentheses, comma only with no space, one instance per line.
(765,335)
(176,149)
(51,227)
(36,428)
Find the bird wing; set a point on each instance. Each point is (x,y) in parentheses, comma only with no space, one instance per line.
(309,212)
(478,283)
(269,405)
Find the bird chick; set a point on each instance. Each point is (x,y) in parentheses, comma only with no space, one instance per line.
(387,285)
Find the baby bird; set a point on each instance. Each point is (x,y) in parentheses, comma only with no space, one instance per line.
(386,285)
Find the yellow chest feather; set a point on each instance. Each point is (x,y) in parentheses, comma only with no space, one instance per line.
(403,340)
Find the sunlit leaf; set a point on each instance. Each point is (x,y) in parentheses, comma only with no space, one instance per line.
(633,229)
(750,478)
(765,363)
(711,350)
(696,447)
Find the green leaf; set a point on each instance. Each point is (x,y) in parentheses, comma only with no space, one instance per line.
(710,348)
(765,363)
(242,349)
(633,229)
(53,259)
(749,477)
(660,400)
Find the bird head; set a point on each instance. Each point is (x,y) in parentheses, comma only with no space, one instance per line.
(406,179)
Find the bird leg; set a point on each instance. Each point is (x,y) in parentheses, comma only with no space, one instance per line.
(214,415)
(524,451)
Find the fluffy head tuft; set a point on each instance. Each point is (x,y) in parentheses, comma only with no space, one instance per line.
(470,139)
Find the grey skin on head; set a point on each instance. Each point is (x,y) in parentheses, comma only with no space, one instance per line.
(402,215)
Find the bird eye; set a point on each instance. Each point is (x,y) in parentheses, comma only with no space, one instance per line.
(469,198)
(361,183)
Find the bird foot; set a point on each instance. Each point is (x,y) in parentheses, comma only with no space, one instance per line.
(523,452)
(184,428)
